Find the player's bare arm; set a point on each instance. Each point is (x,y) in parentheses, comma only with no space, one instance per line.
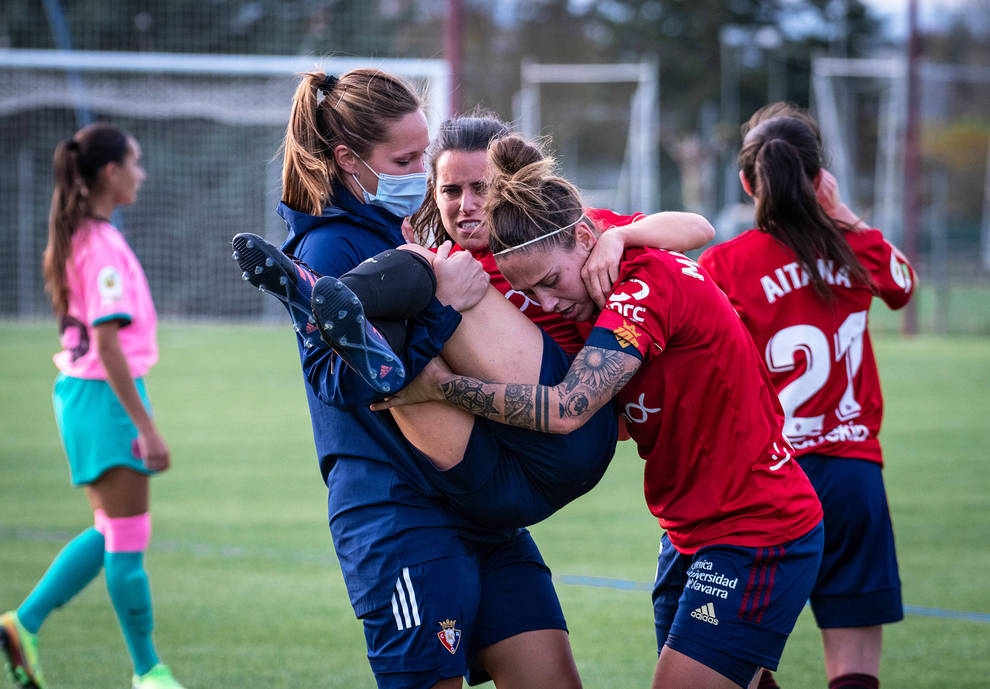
(594,378)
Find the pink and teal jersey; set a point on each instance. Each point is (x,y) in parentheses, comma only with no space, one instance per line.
(106,283)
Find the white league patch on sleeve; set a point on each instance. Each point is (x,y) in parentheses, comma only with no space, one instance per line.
(110,284)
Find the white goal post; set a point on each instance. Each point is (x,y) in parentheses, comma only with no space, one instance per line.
(838,87)
(637,186)
(210,127)
(891,75)
(434,73)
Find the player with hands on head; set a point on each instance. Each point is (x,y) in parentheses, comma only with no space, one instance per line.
(803,281)
(107,325)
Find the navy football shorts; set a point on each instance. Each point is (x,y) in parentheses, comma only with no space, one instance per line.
(858,584)
(731,608)
(444,611)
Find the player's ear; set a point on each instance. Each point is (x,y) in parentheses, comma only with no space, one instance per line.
(585,235)
(107,175)
(345,158)
(745,184)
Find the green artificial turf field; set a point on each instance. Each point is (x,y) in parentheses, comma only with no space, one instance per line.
(248,593)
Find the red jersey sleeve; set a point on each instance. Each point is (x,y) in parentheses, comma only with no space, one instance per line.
(606,219)
(642,310)
(892,275)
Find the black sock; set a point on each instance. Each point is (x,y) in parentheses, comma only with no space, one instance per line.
(392,286)
(854,681)
(767,681)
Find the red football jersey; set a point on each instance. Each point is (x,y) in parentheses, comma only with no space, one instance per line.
(818,352)
(568,334)
(702,411)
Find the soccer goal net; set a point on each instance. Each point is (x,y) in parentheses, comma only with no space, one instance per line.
(861,107)
(603,121)
(210,127)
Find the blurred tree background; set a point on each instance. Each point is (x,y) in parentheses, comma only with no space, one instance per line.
(686,37)
(768,44)
(718,60)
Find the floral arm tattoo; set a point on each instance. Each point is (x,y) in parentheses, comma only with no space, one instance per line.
(595,377)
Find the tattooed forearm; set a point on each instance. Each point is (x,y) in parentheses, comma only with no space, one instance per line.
(469,395)
(621,382)
(575,405)
(597,370)
(478,398)
(596,375)
(519,405)
(541,417)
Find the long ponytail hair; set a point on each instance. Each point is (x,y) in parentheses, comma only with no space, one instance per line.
(356,110)
(77,165)
(780,159)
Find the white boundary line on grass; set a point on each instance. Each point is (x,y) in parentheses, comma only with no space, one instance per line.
(624,585)
(231,551)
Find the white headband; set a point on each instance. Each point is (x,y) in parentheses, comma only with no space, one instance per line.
(541,237)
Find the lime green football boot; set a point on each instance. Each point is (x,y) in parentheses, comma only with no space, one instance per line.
(158,677)
(21,649)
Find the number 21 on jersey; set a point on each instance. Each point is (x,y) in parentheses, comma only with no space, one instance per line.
(822,361)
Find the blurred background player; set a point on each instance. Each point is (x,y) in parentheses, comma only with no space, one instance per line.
(803,281)
(107,325)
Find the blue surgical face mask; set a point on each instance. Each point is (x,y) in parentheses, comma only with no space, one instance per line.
(400,195)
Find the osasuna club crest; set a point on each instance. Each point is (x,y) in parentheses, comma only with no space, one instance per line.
(449,635)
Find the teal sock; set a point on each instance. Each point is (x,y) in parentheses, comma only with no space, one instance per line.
(130,594)
(73,568)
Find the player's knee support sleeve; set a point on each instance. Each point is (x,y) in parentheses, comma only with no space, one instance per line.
(393,285)
(128,534)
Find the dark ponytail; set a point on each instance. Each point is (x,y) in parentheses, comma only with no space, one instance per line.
(76,167)
(780,160)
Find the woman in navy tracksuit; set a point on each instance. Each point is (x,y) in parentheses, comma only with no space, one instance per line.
(440,598)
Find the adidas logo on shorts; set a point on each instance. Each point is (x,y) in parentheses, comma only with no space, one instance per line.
(706,613)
